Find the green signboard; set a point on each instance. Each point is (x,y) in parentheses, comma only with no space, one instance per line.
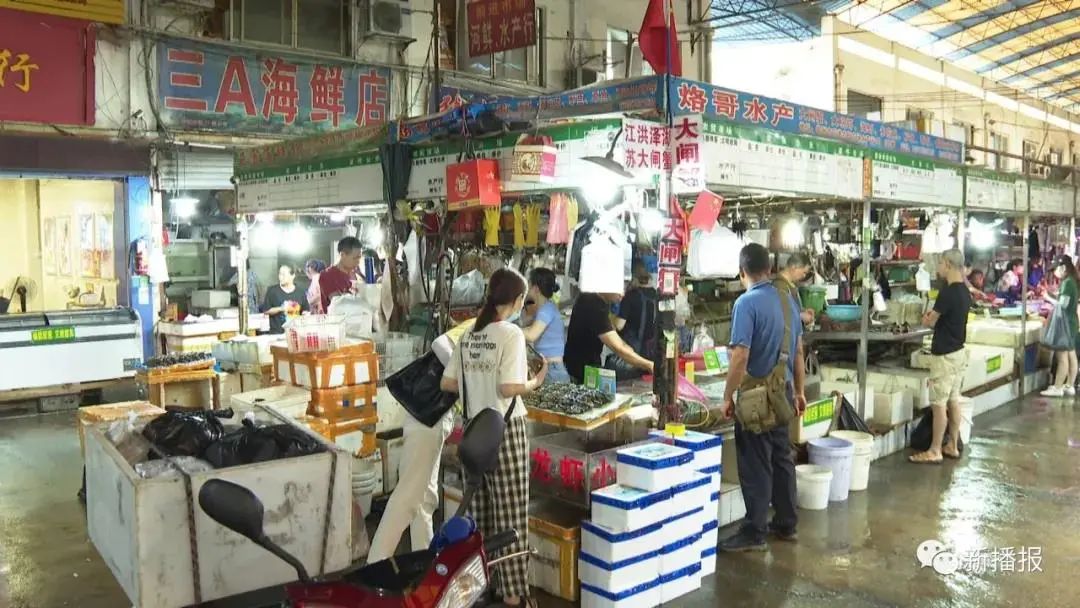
(821,410)
(53,335)
(993,364)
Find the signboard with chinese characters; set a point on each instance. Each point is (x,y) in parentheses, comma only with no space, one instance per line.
(990,190)
(644,147)
(1051,198)
(46,69)
(500,25)
(688,172)
(761,159)
(351,180)
(910,179)
(210,87)
(104,11)
(690,97)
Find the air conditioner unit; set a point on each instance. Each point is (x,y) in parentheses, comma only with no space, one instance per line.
(390,18)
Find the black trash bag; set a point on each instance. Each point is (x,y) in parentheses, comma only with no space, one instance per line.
(251,443)
(924,431)
(849,419)
(185,433)
(416,388)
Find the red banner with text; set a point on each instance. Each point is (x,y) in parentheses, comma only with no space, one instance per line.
(500,25)
(46,69)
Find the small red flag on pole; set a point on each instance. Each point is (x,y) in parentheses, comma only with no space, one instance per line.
(659,39)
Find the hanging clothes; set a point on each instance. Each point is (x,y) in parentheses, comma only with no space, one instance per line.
(1033,244)
(558,232)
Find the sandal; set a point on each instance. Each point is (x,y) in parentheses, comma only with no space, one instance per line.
(953,454)
(924,458)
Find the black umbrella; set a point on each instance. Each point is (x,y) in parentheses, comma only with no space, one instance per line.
(396,160)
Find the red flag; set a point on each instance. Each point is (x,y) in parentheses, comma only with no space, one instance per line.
(658,29)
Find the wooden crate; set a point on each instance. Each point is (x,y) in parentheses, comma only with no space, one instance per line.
(347,366)
(187,389)
(140,526)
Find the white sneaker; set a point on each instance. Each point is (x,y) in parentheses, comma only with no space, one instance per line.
(1053,391)
(1070,391)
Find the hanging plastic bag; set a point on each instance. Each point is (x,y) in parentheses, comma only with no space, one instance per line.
(468,289)
(923,434)
(250,444)
(158,469)
(1058,335)
(178,433)
(849,419)
(602,267)
(714,254)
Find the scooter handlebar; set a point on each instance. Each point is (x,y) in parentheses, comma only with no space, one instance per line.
(500,541)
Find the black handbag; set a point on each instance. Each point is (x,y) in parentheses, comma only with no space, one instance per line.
(416,388)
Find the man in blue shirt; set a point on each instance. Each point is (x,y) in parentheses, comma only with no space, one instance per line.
(766,466)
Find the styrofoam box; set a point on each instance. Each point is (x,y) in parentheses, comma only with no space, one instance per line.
(681,554)
(653,466)
(708,449)
(309,378)
(623,508)
(717,474)
(612,546)
(708,561)
(880,377)
(710,537)
(619,576)
(711,513)
(678,584)
(893,408)
(291,401)
(696,492)
(683,524)
(208,298)
(851,393)
(643,596)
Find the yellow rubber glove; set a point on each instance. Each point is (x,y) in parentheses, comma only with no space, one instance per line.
(571,212)
(519,227)
(491,226)
(532,225)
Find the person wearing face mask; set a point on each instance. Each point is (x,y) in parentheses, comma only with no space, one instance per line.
(544,328)
(1065,376)
(489,370)
(759,327)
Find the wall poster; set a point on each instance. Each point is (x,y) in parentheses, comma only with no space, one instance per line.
(87,259)
(63,245)
(49,246)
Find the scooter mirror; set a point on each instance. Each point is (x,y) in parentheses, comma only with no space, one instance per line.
(234,507)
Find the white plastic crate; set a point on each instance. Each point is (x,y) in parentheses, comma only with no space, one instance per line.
(654,466)
(677,584)
(611,546)
(643,596)
(708,449)
(624,509)
(619,576)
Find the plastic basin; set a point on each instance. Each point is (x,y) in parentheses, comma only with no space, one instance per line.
(844,312)
(836,454)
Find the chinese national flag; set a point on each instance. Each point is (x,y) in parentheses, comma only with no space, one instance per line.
(658,29)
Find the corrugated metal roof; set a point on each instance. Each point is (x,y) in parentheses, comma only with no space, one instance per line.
(1033,45)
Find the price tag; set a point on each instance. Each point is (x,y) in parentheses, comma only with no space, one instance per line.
(716,360)
(821,410)
(993,364)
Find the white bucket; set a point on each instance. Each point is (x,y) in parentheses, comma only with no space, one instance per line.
(812,483)
(835,454)
(967,418)
(364,500)
(860,462)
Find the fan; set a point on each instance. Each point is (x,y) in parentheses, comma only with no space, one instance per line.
(22,289)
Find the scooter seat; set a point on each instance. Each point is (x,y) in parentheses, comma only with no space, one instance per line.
(395,575)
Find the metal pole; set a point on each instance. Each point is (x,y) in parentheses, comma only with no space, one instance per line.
(867,297)
(1026,228)
(436,77)
(242,286)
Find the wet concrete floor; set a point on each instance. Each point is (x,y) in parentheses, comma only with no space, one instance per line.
(1016,491)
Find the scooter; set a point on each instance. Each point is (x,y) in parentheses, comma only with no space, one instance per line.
(452,573)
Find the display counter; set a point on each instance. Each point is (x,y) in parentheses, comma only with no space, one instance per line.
(1004,332)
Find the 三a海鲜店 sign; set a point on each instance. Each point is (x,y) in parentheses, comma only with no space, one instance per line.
(212,87)
(46,69)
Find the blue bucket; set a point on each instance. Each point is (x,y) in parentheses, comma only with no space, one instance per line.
(836,454)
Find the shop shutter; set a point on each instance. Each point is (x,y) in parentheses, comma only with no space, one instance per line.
(180,170)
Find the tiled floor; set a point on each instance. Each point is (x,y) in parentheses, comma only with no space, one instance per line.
(1017,487)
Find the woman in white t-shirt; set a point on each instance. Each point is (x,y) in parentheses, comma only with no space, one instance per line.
(495,375)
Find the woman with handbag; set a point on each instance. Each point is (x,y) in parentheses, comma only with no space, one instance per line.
(428,421)
(1062,332)
(545,329)
(489,370)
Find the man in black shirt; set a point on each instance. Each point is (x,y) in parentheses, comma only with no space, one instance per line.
(284,300)
(948,358)
(589,331)
(636,319)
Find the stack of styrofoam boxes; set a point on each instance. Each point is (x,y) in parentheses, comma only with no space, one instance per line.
(640,548)
(708,453)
